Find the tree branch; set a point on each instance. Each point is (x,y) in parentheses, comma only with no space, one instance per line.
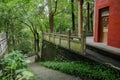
(29,21)
(59,12)
(56,2)
(27,25)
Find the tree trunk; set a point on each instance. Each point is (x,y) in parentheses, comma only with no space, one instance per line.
(37,42)
(73,15)
(52,13)
(81,29)
(80,21)
(35,50)
(51,22)
(91,21)
(88,14)
(36,45)
(7,35)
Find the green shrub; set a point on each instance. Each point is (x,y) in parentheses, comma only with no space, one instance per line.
(92,71)
(14,67)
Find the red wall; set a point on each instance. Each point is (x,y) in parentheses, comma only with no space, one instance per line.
(114,21)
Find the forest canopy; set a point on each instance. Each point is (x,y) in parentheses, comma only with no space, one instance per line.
(23,20)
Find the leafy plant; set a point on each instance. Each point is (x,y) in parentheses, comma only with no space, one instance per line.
(14,67)
(87,70)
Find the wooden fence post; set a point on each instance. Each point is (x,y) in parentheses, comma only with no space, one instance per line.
(60,38)
(69,39)
(83,42)
(53,37)
(49,35)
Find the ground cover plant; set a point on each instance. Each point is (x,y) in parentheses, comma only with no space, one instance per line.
(89,70)
(14,67)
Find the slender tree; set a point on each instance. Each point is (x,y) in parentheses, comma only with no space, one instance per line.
(73,15)
(52,13)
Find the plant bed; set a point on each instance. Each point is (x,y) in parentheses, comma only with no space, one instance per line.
(86,70)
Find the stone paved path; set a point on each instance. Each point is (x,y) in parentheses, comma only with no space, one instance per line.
(43,73)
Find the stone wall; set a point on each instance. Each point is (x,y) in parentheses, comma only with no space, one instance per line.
(51,52)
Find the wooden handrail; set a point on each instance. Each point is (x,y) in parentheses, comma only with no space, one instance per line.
(76,38)
(67,41)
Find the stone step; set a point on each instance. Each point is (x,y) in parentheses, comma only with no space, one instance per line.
(103,57)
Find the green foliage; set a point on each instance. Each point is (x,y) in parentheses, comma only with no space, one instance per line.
(12,14)
(25,43)
(14,67)
(84,69)
(25,47)
(20,17)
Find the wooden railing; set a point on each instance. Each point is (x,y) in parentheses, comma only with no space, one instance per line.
(65,40)
(3,43)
